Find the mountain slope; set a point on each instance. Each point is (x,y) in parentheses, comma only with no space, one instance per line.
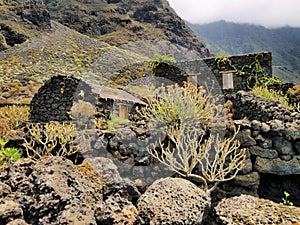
(119,22)
(92,39)
(224,38)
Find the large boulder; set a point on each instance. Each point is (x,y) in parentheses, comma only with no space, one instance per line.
(50,191)
(173,201)
(246,209)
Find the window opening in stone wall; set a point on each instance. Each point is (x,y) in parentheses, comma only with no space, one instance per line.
(228,80)
(123,111)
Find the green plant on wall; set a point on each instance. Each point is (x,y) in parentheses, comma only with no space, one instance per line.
(254,70)
(264,92)
(159,59)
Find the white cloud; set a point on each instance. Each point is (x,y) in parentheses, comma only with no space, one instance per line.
(269,13)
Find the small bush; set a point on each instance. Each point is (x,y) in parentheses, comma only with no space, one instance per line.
(115,121)
(265,93)
(50,139)
(155,62)
(14,115)
(8,155)
(179,106)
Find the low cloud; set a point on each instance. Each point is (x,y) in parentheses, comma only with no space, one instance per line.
(269,13)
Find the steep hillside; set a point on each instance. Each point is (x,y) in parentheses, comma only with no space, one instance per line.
(119,21)
(92,39)
(224,38)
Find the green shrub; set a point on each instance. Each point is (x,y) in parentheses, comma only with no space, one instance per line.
(114,121)
(8,155)
(264,92)
(179,106)
(155,62)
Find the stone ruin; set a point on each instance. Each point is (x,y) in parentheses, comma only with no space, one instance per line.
(54,100)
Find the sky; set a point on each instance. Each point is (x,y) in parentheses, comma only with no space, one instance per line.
(268,13)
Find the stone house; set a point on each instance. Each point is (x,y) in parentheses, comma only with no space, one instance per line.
(56,97)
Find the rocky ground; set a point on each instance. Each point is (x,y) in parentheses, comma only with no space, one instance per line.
(55,191)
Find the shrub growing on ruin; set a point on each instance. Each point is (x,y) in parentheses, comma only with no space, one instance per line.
(159,59)
(264,92)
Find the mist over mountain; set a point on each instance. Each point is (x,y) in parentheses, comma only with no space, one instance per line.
(227,38)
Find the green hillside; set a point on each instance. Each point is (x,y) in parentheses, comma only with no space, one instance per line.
(224,38)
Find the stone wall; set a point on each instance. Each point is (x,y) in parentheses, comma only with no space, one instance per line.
(240,63)
(271,135)
(207,70)
(54,100)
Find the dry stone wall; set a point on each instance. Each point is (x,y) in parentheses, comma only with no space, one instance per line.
(206,70)
(271,135)
(54,100)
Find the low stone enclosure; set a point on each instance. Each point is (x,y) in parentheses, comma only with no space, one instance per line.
(269,132)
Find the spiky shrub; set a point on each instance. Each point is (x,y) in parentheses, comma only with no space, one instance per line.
(219,159)
(178,106)
(50,139)
(184,110)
